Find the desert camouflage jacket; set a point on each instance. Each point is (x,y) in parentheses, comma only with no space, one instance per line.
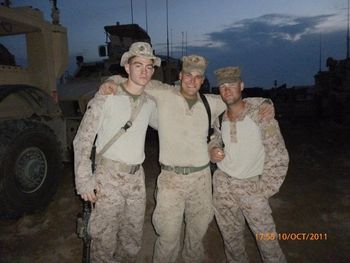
(276,155)
(85,180)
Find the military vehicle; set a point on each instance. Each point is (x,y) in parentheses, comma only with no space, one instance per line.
(118,40)
(33,138)
(333,90)
(39,116)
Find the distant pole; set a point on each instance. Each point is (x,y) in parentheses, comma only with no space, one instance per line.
(347,37)
(182,43)
(186,43)
(320,66)
(167,31)
(171,42)
(132,13)
(146,16)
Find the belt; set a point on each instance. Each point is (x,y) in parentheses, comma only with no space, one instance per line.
(121,167)
(183,170)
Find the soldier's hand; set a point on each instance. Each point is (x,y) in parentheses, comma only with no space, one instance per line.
(216,154)
(90,196)
(266,111)
(107,88)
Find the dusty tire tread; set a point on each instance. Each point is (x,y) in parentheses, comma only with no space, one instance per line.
(11,132)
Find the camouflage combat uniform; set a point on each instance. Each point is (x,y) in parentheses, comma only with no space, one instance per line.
(181,192)
(116,222)
(182,139)
(249,174)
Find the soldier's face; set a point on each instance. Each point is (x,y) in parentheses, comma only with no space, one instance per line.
(191,82)
(140,70)
(231,93)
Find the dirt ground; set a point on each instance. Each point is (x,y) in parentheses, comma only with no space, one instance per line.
(314,199)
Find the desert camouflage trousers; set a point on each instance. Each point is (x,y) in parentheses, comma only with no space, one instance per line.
(116,222)
(178,197)
(234,201)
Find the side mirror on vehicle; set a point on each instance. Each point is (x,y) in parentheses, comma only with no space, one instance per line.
(102,51)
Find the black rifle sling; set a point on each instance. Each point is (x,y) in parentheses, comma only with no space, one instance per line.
(95,157)
(220,120)
(220,125)
(213,166)
(207,108)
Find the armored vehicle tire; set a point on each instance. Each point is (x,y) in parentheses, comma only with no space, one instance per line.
(30,167)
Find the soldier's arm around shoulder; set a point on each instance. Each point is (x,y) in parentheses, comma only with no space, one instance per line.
(264,105)
(276,157)
(157,88)
(258,101)
(109,86)
(82,144)
(154,87)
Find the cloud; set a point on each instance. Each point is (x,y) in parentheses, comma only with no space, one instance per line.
(274,47)
(275,27)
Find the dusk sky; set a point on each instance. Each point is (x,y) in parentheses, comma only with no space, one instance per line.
(269,39)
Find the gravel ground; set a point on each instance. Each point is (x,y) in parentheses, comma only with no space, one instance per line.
(314,199)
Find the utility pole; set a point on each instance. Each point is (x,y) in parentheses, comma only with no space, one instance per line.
(171,42)
(132,12)
(320,66)
(186,43)
(146,16)
(167,32)
(182,43)
(347,37)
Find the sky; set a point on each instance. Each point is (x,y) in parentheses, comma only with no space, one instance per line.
(273,41)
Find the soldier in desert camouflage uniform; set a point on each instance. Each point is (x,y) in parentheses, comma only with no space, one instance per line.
(118,185)
(252,166)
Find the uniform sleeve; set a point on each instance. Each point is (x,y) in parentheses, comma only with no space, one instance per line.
(219,106)
(257,101)
(276,158)
(117,79)
(153,88)
(156,87)
(85,181)
(216,138)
